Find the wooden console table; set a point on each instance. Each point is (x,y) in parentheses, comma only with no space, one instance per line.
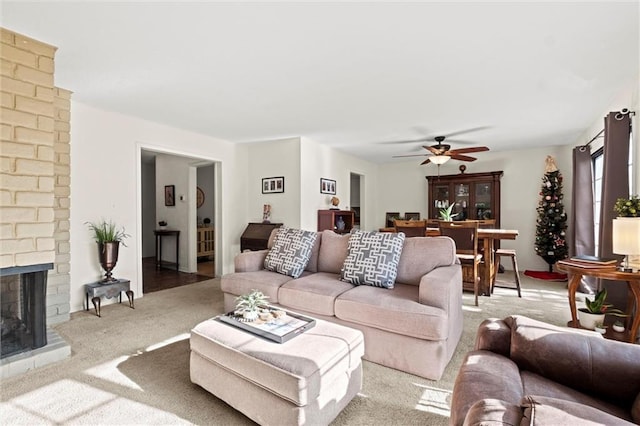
(159,233)
(633,304)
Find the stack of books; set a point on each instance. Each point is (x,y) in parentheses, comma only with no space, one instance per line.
(591,262)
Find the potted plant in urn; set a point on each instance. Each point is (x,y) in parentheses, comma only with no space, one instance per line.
(248,305)
(595,310)
(108,236)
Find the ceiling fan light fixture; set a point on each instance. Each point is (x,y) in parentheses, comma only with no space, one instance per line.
(439,159)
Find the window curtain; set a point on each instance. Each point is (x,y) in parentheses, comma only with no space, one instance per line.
(615,184)
(582,220)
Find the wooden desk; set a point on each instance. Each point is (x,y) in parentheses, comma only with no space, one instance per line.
(488,237)
(632,279)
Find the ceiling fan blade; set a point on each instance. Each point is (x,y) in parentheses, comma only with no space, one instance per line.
(409,155)
(462,157)
(468,150)
(427,161)
(462,132)
(401,142)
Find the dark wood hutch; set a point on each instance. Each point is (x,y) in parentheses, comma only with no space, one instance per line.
(475,196)
(340,221)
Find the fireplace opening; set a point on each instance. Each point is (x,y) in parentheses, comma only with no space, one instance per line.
(23,316)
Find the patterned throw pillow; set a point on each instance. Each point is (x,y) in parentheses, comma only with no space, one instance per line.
(290,252)
(373,258)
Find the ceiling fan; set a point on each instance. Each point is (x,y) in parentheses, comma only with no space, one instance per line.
(441,153)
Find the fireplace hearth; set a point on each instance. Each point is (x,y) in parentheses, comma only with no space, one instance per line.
(23,316)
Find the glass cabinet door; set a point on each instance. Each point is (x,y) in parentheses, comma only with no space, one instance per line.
(441,198)
(461,200)
(483,201)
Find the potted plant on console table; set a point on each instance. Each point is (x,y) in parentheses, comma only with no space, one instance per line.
(594,311)
(108,236)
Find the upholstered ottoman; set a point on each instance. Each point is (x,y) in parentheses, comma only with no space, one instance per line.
(305,381)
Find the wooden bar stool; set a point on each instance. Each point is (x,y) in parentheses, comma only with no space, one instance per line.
(512,254)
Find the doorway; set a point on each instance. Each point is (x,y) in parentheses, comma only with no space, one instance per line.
(193,201)
(205,219)
(356,191)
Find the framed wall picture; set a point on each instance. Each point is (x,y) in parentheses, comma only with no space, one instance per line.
(389,217)
(273,185)
(169,195)
(327,186)
(411,216)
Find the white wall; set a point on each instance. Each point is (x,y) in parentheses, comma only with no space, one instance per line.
(174,170)
(206,182)
(273,159)
(105,183)
(148,178)
(321,161)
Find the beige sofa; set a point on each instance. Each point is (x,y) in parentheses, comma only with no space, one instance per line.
(414,327)
(524,371)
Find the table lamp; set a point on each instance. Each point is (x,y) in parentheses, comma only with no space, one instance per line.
(626,240)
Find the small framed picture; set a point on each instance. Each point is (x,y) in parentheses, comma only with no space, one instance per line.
(389,217)
(273,185)
(169,195)
(327,186)
(411,216)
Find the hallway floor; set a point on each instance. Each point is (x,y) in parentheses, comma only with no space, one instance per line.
(160,279)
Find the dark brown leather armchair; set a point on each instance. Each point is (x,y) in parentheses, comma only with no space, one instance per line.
(524,371)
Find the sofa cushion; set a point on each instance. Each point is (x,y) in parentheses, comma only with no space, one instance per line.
(540,410)
(421,255)
(535,384)
(543,349)
(243,282)
(291,251)
(373,258)
(396,310)
(312,265)
(333,251)
(314,293)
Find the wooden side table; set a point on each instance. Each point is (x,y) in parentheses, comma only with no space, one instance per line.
(159,233)
(109,290)
(633,304)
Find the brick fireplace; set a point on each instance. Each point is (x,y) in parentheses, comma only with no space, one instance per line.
(34,194)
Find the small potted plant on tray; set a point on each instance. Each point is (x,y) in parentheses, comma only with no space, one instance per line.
(595,310)
(248,305)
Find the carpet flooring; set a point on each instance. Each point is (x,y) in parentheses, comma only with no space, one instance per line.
(132,366)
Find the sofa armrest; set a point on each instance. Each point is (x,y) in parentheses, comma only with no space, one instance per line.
(484,375)
(442,287)
(250,261)
(494,335)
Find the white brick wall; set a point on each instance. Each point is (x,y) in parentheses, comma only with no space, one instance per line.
(34,165)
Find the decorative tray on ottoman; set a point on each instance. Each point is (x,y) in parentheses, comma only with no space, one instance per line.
(272,324)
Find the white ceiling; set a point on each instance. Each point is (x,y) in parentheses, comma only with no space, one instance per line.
(349,74)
